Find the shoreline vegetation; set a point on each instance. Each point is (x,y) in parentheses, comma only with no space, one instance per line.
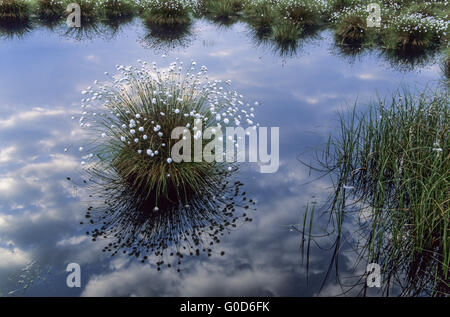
(390,167)
(405,25)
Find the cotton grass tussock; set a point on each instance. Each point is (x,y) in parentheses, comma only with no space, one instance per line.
(131,118)
(416,31)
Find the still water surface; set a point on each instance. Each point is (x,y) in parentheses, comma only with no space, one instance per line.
(41,75)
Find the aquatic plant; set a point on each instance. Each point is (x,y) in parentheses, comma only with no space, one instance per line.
(308,13)
(50,10)
(223,9)
(286,31)
(415,31)
(135,117)
(261,15)
(167,11)
(392,163)
(116,9)
(14,12)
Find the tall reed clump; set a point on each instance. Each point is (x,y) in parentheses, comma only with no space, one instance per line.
(132,124)
(167,12)
(14,12)
(394,159)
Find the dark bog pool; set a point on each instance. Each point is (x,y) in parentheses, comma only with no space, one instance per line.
(42,72)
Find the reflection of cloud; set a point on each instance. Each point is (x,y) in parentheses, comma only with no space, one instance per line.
(31,115)
(221,53)
(92,58)
(204,280)
(7,154)
(367,76)
(12,258)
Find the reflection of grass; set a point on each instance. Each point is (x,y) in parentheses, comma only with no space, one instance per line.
(15,30)
(260,15)
(88,8)
(167,37)
(394,160)
(88,31)
(166,235)
(407,60)
(150,203)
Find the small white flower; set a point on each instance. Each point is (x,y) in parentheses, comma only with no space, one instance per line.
(122,138)
(141,129)
(169,160)
(149,152)
(132,131)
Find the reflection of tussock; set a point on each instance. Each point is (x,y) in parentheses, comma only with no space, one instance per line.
(15,30)
(409,60)
(166,234)
(89,31)
(284,40)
